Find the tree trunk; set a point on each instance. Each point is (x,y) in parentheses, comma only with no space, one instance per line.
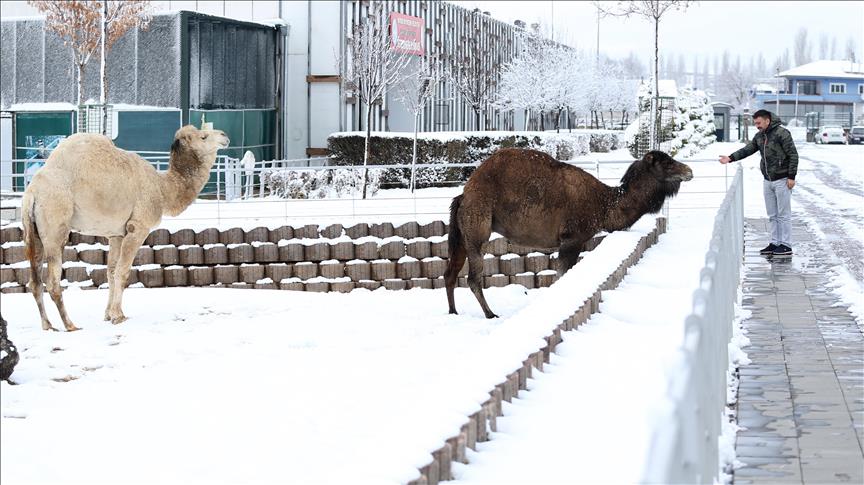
(558,121)
(655,105)
(366,148)
(80,84)
(414,154)
(477,119)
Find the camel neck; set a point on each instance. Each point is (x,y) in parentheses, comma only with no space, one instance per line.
(628,206)
(182,182)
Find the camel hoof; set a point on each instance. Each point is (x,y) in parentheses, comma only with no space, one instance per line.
(49,328)
(118,320)
(453,312)
(491,315)
(72,328)
(107,317)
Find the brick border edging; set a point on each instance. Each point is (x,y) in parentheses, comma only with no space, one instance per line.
(479,423)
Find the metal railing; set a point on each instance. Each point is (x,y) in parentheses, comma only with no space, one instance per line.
(685,442)
(236,193)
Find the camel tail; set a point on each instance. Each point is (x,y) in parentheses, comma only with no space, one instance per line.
(31,233)
(454,236)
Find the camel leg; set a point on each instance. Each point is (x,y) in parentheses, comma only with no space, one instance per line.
(135,235)
(454,266)
(476,228)
(568,255)
(113,253)
(54,255)
(36,259)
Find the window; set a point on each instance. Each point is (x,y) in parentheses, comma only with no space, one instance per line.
(807,87)
(837,88)
(861,89)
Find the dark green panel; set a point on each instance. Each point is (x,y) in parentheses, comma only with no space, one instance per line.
(231,122)
(36,134)
(151,131)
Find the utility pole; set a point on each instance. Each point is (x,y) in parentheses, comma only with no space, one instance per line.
(777,109)
(598,36)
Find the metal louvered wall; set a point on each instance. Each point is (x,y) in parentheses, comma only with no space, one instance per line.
(451,33)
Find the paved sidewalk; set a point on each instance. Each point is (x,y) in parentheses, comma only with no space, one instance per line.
(801,399)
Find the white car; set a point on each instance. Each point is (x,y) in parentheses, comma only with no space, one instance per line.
(830,134)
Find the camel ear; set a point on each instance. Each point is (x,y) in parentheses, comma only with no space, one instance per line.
(649,157)
(176,145)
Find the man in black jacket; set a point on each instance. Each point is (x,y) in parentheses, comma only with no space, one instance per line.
(779,165)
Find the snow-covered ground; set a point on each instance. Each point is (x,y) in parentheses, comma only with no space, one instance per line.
(220,385)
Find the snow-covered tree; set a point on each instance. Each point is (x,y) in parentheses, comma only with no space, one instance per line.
(652,10)
(693,123)
(80,24)
(371,68)
(414,92)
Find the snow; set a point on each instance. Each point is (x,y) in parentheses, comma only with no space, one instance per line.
(220,386)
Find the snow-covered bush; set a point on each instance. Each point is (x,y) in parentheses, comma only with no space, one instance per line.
(318,184)
(392,148)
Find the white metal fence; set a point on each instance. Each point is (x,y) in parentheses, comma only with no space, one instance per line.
(238,195)
(685,444)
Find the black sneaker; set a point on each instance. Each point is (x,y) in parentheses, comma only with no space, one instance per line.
(782,250)
(769,249)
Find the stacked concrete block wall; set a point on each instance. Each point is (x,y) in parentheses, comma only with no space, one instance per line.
(309,258)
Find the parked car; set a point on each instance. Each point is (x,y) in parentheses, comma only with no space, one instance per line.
(856,135)
(830,134)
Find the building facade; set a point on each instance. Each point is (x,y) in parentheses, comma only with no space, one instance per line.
(276,63)
(831,91)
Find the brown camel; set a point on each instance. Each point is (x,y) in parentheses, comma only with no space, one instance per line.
(534,200)
(90,186)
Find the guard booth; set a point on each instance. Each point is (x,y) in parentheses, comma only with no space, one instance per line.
(722,115)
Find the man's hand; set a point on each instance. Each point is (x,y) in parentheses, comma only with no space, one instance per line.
(790,183)
(724,159)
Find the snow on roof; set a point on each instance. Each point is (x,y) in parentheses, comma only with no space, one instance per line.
(42,107)
(764,88)
(839,69)
(668,88)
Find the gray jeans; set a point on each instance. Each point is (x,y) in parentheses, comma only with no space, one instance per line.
(778,203)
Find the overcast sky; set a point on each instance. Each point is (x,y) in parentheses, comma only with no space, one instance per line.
(705,28)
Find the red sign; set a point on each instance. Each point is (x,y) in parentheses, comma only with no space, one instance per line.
(406,33)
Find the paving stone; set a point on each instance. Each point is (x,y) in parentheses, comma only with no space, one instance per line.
(801,399)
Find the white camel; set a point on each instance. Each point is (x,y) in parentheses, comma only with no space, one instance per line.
(90,186)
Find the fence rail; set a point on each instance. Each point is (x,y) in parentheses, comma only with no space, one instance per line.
(238,191)
(685,443)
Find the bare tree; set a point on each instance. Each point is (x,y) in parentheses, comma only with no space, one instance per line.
(823,46)
(849,52)
(372,66)
(80,24)
(415,92)
(653,11)
(833,49)
(474,75)
(802,47)
(737,84)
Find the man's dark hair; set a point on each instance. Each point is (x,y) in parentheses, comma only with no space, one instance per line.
(763,113)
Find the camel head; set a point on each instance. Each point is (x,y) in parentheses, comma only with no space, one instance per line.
(194,148)
(660,168)
(657,176)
